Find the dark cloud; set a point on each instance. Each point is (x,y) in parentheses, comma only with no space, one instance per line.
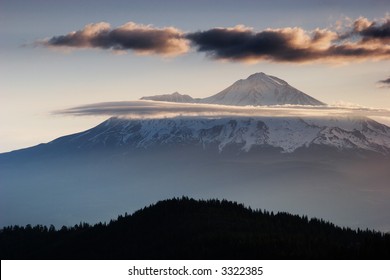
(371,30)
(291,44)
(385,83)
(361,40)
(243,44)
(131,36)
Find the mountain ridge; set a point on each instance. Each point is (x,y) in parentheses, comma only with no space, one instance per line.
(173,97)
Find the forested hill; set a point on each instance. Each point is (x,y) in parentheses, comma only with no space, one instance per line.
(191,229)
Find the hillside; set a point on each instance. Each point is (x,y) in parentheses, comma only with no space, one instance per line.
(191,229)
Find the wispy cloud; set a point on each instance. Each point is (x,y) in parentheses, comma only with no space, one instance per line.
(155,109)
(361,40)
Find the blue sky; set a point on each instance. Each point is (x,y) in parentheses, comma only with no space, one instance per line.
(37,80)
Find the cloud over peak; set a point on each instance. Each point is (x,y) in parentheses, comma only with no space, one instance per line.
(362,40)
(158,109)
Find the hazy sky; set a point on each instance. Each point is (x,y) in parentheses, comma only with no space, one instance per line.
(335,51)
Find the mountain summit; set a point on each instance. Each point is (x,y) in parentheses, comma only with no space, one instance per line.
(258,89)
(261,89)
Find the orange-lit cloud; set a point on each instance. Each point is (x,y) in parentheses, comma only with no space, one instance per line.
(142,39)
(361,40)
(365,40)
(372,30)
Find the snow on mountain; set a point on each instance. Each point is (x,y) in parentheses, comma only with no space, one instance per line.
(283,164)
(261,89)
(174,97)
(287,134)
(258,89)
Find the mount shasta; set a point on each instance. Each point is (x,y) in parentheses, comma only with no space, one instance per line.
(257,89)
(330,167)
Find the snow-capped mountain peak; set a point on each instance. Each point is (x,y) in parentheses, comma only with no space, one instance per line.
(261,89)
(262,77)
(258,89)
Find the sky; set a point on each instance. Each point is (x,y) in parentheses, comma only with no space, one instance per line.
(57,55)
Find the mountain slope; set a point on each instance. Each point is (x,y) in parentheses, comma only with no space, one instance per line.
(299,165)
(242,133)
(189,229)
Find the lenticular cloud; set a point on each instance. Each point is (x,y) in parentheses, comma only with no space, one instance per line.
(155,109)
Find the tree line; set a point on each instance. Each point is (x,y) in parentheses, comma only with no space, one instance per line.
(185,228)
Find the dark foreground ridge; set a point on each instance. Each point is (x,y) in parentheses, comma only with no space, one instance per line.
(191,229)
